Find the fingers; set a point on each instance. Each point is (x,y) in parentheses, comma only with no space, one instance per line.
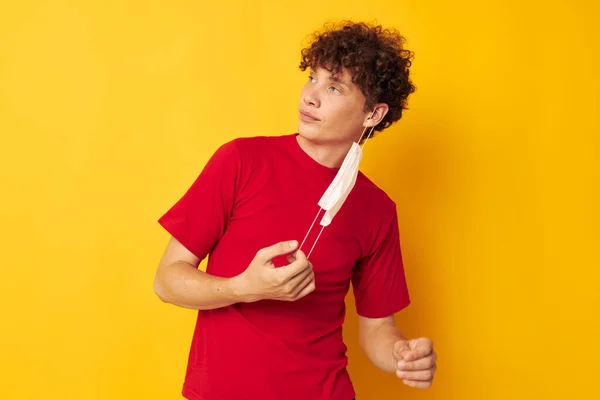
(292,281)
(422,376)
(419,348)
(298,278)
(298,286)
(418,384)
(268,253)
(301,264)
(418,365)
(306,286)
(292,257)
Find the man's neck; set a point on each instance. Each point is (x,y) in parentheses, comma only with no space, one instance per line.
(328,155)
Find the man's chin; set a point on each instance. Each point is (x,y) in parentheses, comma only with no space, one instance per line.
(309,132)
(309,136)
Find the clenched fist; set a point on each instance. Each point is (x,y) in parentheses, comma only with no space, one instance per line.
(416,362)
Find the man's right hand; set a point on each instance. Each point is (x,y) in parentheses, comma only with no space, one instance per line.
(263,281)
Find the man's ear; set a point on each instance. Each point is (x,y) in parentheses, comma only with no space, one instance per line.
(376,116)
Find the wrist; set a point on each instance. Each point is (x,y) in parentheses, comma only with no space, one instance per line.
(240,289)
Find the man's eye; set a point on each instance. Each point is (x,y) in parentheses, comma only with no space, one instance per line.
(310,78)
(334,89)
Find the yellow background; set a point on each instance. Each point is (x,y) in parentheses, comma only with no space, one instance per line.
(109,109)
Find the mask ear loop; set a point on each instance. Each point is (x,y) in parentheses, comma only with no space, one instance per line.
(370,132)
(321,209)
(315,243)
(310,229)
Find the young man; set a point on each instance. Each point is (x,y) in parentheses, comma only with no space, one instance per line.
(269,322)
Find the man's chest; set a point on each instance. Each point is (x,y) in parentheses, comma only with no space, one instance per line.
(282,210)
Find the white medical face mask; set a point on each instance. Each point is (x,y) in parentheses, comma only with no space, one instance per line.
(339,189)
(342,184)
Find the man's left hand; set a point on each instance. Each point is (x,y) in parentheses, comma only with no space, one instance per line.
(416,362)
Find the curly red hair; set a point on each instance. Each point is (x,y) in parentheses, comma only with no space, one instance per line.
(376,59)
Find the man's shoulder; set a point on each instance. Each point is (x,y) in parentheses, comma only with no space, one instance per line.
(377,198)
(255,144)
(249,149)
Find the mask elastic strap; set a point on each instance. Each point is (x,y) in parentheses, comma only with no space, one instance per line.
(368,137)
(315,243)
(364,130)
(309,230)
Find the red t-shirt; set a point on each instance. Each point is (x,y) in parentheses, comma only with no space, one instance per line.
(253,193)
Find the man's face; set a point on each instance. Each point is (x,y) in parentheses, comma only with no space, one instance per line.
(331,108)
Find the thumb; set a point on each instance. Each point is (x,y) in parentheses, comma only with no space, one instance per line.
(401,347)
(421,347)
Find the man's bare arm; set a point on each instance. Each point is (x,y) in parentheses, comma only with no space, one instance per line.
(179,281)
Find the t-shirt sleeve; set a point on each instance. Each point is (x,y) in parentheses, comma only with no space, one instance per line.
(199,218)
(379,282)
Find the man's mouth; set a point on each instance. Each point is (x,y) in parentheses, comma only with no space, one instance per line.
(308,116)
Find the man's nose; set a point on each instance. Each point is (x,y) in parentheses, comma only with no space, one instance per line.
(311,97)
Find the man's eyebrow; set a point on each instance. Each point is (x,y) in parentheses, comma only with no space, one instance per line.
(337,79)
